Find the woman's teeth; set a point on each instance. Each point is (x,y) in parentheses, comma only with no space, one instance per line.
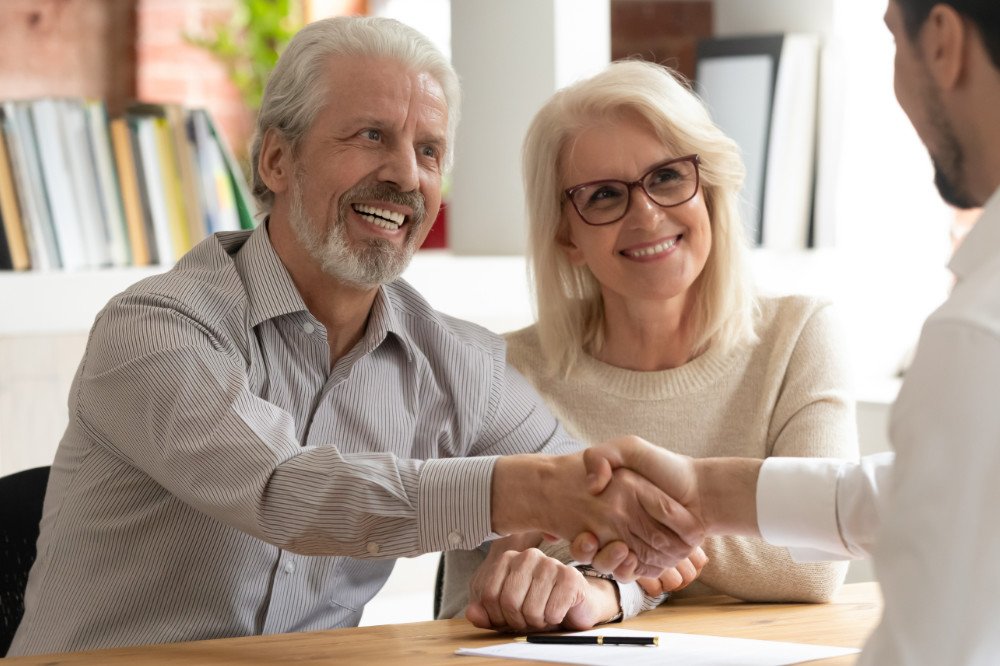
(653,249)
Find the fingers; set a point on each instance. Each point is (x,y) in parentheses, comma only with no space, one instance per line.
(524,591)
(698,558)
(690,568)
(671,514)
(477,615)
(678,577)
(584,547)
(660,531)
(598,462)
(612,556)
(629,569)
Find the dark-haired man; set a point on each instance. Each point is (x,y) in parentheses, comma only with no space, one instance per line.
(928,516)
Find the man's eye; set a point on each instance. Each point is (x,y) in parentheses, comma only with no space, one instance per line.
(429,151)
(372,134)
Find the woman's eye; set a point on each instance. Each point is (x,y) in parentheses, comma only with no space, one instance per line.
(666,175)
(603,196)
(602,193)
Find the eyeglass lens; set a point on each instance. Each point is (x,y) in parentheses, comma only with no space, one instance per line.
(607,201)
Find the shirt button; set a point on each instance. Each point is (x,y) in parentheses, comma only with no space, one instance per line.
(308,328)
(289,567)
(455,537)
(373,548)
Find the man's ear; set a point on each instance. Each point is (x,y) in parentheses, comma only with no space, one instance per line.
(275,161)
(945,38)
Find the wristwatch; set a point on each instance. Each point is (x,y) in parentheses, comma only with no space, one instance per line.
(591,572)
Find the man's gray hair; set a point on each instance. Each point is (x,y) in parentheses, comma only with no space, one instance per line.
(295,91)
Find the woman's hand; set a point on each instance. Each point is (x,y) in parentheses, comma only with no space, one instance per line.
(676,578)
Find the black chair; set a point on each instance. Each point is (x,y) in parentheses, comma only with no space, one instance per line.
(438,586)
(21,496)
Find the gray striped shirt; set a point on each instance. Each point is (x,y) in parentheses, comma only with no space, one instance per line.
(218,478)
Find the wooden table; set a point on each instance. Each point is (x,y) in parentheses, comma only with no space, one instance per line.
(844,622)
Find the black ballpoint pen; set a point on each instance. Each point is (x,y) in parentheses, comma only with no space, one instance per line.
(590,640)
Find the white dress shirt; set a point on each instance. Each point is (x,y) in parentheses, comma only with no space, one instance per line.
(934,532)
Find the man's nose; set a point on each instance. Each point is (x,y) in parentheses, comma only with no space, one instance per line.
(400,169)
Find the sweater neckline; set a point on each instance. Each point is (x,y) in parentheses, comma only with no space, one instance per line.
(696,374)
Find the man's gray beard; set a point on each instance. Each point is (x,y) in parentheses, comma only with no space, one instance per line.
(378,261)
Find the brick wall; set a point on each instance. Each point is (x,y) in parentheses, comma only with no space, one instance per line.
(170,69)
(664,31)
(68,48)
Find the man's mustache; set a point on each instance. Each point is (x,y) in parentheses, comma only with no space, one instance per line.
(389,194)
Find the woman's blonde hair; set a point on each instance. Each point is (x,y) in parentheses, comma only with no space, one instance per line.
(569,304)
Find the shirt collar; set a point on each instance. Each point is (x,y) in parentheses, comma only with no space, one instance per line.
(982,243)
(272,293)
(385,319)
(270,289)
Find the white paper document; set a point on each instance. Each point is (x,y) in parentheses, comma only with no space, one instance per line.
(681,649)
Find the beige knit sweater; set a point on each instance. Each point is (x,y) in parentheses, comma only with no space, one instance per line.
(788,394)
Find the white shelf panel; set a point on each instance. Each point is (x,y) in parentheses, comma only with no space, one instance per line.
(490,291)
(56,302)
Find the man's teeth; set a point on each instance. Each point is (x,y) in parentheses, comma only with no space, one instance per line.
(381,217)
(654,249)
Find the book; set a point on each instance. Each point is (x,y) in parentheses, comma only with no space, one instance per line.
(6,262)
(151,185)
(106,176)
(80,160)
(36,217)
(79,190)
(12,226)
(128,183)
(237,177)
(187,162)
(171,181)
(58,184)
(216,186)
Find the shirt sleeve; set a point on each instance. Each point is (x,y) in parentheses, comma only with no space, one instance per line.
(823,509)
(169,391)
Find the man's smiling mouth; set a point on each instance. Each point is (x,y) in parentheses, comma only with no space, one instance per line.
(380,217)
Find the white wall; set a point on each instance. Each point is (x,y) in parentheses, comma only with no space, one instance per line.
(511,56)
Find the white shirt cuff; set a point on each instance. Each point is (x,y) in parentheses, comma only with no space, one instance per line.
(797,507)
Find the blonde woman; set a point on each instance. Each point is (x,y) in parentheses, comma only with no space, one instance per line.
(648,324)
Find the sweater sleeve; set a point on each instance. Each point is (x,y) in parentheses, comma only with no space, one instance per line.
(459,565)
(812,416)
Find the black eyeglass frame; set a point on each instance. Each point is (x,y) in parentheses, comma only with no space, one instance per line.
(694,159)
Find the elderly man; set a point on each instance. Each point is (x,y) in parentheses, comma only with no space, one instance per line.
(256,434)
(927,513)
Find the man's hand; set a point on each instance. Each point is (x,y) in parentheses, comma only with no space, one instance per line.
(524,591)
(550,493)
(677,578)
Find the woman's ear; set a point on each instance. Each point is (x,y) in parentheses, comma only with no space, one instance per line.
(564,239)
(275,162)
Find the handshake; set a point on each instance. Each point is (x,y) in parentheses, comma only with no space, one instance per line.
(626,508)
